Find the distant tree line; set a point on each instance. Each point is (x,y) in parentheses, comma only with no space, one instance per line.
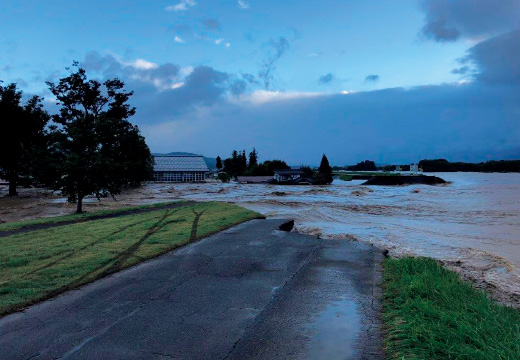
(88,148)
(443,165)
(440,165)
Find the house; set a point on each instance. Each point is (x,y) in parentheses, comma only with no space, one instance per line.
(287,174)
(180,168)
(414,167)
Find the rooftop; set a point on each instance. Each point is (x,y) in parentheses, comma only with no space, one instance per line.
(180,163)
(295,171)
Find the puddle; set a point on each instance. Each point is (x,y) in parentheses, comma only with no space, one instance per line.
(335,332)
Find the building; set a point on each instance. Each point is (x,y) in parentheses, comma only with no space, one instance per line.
(254,179)
(414,167)
(180,168)
(287,174)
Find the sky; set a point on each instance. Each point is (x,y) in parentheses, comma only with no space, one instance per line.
(391,81)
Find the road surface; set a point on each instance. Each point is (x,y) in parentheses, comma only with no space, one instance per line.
(251,292)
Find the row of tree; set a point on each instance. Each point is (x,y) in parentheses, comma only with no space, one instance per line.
(238,164)
(88,148)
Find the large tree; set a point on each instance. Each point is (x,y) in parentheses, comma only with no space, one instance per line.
(324,175)
(22,136)
(253,158)
(100,150)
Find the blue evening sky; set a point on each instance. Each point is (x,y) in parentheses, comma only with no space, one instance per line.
(419,78)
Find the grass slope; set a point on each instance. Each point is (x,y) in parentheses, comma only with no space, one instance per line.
(430,313)
(71,217)
(42,263)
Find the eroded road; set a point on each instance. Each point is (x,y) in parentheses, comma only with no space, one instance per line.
(251,292)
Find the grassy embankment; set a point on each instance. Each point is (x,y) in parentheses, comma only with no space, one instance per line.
(40,264)
(430,313)
(348,176)
(85,215)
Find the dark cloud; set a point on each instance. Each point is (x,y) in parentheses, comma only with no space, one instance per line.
(497,59)
(326,79)
(463,70)
(277,50)
(372,78)
(469,122)
(447,20)
(440,31)
(211,24)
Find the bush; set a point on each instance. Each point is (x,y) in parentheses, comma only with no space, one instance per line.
(224,177)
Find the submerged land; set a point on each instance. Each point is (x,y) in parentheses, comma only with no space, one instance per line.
(425,311)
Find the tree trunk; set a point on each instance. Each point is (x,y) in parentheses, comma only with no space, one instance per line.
(12,184)
(79,208)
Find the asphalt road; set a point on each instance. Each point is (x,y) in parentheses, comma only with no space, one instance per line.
(251,292)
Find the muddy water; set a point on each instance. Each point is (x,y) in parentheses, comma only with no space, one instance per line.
(473,224)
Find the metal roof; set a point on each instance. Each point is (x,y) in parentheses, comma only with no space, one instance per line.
(294,171)
(180,163)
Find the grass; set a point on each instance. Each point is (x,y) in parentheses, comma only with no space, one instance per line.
(70,217)
(348,176)
(430,313)
(43,263)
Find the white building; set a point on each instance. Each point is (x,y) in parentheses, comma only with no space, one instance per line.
(180,168)
(414,167)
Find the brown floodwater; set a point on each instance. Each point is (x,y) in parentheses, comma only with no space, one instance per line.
(472,224)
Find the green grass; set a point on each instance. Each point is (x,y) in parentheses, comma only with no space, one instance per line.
(43,263)
(430,313)
(86,215)
(348,176)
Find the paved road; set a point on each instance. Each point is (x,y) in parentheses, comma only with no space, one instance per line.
(251,292)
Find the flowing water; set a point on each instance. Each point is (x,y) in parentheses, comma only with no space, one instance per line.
(472,224)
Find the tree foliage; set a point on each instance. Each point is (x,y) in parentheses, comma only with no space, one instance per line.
(22,136)
(366,165)
(324,175)
(218,163)
(96,149)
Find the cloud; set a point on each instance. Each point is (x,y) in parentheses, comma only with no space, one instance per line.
(497,60)
(211,24)
(326,79)
(372,78)
(460,122)
(448,20)
(243,4)
(178,39)
(278,47)
(182,6)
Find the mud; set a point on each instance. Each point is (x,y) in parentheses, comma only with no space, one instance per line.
(472,225)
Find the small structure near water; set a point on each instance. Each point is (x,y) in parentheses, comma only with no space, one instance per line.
(283,175)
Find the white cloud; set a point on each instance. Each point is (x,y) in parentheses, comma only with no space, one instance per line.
(144,64)
(243,4)
(178,39)
(218,41)
(228,45)
(182,6)
(264,96)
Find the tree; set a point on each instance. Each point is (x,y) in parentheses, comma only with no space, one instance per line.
(253,158)
(224,177)
(99,150)
(22,136)
(219,163)
(324,175)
